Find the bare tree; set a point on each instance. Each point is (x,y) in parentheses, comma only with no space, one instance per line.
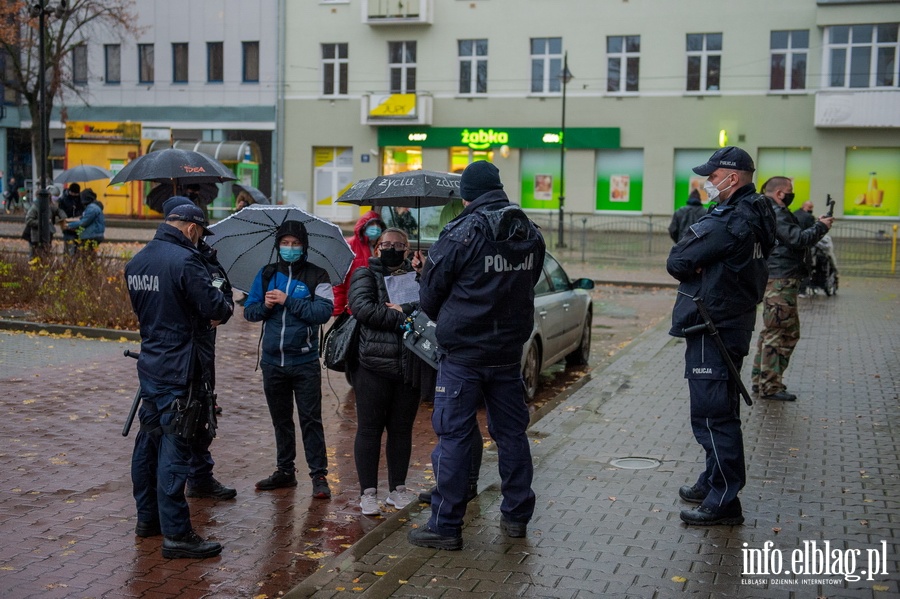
(67,27)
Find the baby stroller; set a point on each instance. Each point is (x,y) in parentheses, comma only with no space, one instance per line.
(823,270)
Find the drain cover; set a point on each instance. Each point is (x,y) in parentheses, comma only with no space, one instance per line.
(634,463)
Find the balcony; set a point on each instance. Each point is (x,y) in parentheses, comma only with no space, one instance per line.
(385,108)
(868,108)
(397,12)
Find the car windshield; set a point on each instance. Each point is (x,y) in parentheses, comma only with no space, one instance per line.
(424,224)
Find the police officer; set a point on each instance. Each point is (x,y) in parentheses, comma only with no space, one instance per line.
(175,301)
(721,260)
(479,288)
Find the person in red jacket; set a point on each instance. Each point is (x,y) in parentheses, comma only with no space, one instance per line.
(367,230)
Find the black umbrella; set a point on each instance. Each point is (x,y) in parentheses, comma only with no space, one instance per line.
(412,189)
(82,173)
(175,167)
(257,196)
(207,192)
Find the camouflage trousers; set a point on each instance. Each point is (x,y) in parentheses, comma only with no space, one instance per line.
(779,335)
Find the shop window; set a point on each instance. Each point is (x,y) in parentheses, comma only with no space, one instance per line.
(250,69)
(112,58)
(704,61)
(145,63)
(788,59)
(79,65)
(179,63)
(546,65)
(473,64)
(620,180)
(462,156)
(215,62)
(623,63)
(399,159)
(402,59)
(335,65)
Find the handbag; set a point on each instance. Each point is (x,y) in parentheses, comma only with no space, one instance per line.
(421,337)
(341,343)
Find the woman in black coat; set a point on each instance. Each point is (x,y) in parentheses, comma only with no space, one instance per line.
(384,401)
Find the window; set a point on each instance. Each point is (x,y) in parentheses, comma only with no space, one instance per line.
(250,68)
(788,59)
(112,58)
(10,95)
(704,61)
(863,55)
(179,63)
(402,59)
(473,66)
(79,65)
(335,63)
(145,63)
(215,62)
(623,63)
(546,65)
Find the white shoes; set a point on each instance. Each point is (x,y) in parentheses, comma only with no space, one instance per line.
(368,503)
(401,497)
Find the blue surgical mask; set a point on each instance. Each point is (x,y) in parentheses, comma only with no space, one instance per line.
(373,231)
(290,254)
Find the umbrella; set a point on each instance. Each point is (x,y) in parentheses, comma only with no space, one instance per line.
(82,173)
(355,194)
(175,167)
(412,189)
(245,242)
(159,194)
(258,196)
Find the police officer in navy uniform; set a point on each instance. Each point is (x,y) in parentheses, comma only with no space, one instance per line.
(478,287)
(175,301)
(721,260)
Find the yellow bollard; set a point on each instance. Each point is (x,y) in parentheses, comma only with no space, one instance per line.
(894,251)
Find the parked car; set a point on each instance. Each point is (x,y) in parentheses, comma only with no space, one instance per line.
(563,309)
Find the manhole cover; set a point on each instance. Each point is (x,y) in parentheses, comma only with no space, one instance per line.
(634,463)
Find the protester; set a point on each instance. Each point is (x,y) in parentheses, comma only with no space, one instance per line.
(804,215)
(70,202)
(404,219)
(686,216)
(365,233)
(787,269)
(721,261)
(91,227)
(293,297)
(33,224)
(10,196)
(200,481)
(175,301)
(243,200)
(484,316)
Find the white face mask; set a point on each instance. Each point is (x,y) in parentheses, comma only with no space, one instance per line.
(713,191)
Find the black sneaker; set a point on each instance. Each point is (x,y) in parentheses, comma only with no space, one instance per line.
(424,537)
(425,496)
(210,488)
(278,480)
(692,494)
(191,545)
(781,396)
(516,530)
(147,529)
(703,516)
(321,490)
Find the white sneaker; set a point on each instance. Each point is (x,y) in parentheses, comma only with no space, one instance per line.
(368,503)
(400,497)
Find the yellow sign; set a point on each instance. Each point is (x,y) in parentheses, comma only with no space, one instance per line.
(393,106)
(102,130)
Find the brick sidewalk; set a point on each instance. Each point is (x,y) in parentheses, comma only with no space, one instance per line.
(823,469)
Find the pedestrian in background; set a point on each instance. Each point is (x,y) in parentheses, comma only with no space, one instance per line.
(175,301)
(804,214)
(722,261)
(787,269)
(91,227)
(71,204)
(478,287)
(385,399)
(10,196)
(366,232)
(686,216)
(293,298)
(32,223)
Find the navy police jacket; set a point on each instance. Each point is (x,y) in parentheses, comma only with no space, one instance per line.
(479,287)
(722,259)
(174,299)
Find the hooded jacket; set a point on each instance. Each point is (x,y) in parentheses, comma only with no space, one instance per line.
(92,222)
(686,216)
(290,334)
(362,251)
(729,247)
(478,285)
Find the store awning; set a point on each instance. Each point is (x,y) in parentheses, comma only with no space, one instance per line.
(223,151)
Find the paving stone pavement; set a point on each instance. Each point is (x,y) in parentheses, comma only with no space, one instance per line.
(821,470)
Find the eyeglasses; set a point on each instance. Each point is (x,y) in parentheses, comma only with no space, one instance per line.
(397,245)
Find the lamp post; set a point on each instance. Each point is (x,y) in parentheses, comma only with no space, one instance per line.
(565,76)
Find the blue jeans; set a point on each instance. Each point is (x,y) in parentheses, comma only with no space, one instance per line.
(285,385)
(160,461)
(459,390)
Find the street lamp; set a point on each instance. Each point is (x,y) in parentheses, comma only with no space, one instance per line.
(41,10)
(565,76)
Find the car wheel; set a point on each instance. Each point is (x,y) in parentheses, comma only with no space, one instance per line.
(531,370)
(580,356)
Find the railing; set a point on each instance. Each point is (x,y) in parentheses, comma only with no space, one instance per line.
(862,248)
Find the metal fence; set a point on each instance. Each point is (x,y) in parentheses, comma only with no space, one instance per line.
(863,248)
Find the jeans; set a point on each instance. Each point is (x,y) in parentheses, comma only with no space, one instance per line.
(285,385)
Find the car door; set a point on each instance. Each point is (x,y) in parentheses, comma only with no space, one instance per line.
(549,311)
(566,316)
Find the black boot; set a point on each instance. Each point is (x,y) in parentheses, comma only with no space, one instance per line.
(191,545)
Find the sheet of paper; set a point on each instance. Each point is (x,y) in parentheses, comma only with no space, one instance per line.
(402,289)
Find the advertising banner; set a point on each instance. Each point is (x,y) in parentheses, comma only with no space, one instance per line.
(872,182)
(540,179)
(793,163)
(620,180)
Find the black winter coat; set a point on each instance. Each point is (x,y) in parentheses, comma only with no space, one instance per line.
(789,258)
(380,335)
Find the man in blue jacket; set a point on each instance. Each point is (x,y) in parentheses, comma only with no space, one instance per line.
(722,261)
(175,302)
(479,288)
(293,297)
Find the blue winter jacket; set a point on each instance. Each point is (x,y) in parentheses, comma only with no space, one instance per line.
(478,285)
(92,220)
(291,331)
(175,301)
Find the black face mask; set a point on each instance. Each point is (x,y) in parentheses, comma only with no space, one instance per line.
(392,258)
(788,198)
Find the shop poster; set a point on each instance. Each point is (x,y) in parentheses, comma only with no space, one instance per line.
(872,182)
(540,179)
(620,180)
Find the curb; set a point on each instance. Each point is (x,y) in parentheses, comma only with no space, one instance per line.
(65,329)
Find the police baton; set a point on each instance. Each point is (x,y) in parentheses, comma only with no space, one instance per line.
(135,403)
(710,329)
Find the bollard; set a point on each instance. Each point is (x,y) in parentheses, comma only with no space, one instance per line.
(894,251)
(584,237)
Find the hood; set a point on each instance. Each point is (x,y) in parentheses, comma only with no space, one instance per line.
(298,230)
(364,220)
(759,218)
(506,226)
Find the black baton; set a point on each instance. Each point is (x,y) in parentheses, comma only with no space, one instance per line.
(710,329)
(134,404)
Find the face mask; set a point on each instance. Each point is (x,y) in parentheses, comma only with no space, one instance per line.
(713,191)
(392,258)
(788,198)
(290,254)
(373,231)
